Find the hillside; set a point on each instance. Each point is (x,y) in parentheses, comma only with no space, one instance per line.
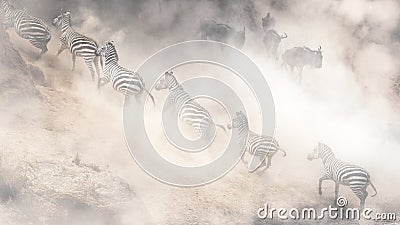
(64,159)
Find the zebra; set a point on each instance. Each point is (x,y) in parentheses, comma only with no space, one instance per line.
(26,26)
(261,146)
(78,44)
(342,173)
(190,112)
(122,79)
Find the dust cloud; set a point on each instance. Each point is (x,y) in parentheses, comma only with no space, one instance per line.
(350,103)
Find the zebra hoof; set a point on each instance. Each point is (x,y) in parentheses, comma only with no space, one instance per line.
(320,192)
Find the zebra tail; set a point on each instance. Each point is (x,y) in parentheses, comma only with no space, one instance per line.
(283,151)
(151,96)
(376,192)
(101,62)
(48,37)
(221,126)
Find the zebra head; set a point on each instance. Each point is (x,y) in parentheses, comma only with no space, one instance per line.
(101,51)
(239,121)
(109,52)
(64,16)
(320,151)
(7,10)
(166,82)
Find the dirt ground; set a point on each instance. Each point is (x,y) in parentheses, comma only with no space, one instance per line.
(66,114)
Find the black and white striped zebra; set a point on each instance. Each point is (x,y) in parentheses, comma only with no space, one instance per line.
(78,44)
(263,147)
(26,26)
(122,79)
(342,173)
(190,111)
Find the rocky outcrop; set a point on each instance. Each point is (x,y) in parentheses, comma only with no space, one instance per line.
(17,78)
(57,191)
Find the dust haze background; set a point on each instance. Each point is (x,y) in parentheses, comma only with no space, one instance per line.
(351,104)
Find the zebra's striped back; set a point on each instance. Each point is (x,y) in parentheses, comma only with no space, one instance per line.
(340,171)
(255,144)
(77,43)
(190,112)
(27,26)
(122,79)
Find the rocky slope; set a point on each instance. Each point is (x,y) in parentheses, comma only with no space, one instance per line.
(43,189)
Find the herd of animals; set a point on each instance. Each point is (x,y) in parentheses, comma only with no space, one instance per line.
(130,83)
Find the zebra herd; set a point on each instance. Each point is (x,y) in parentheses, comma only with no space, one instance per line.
(191,112)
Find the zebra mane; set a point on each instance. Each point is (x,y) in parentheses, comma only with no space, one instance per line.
(176,83)
(110,47)
(243,119)
(5,3)
(324,148)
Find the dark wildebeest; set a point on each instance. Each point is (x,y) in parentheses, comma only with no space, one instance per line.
(298,57)
(271,42)
(268,22)
(210,30)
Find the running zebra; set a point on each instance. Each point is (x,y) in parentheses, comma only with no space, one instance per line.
(190,112)
(78,44)
(26,26)
(257,145)
(342,173)
(122,79)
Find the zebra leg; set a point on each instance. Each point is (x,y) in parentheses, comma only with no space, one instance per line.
(89,64)
(102,81)
(263,164)
(268,165)
(61,49)
(336,190)
(325,177)
(362,199)
(243,161)
(97,66)
(44,50)
(73,61)
(361,194)
(7,25)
